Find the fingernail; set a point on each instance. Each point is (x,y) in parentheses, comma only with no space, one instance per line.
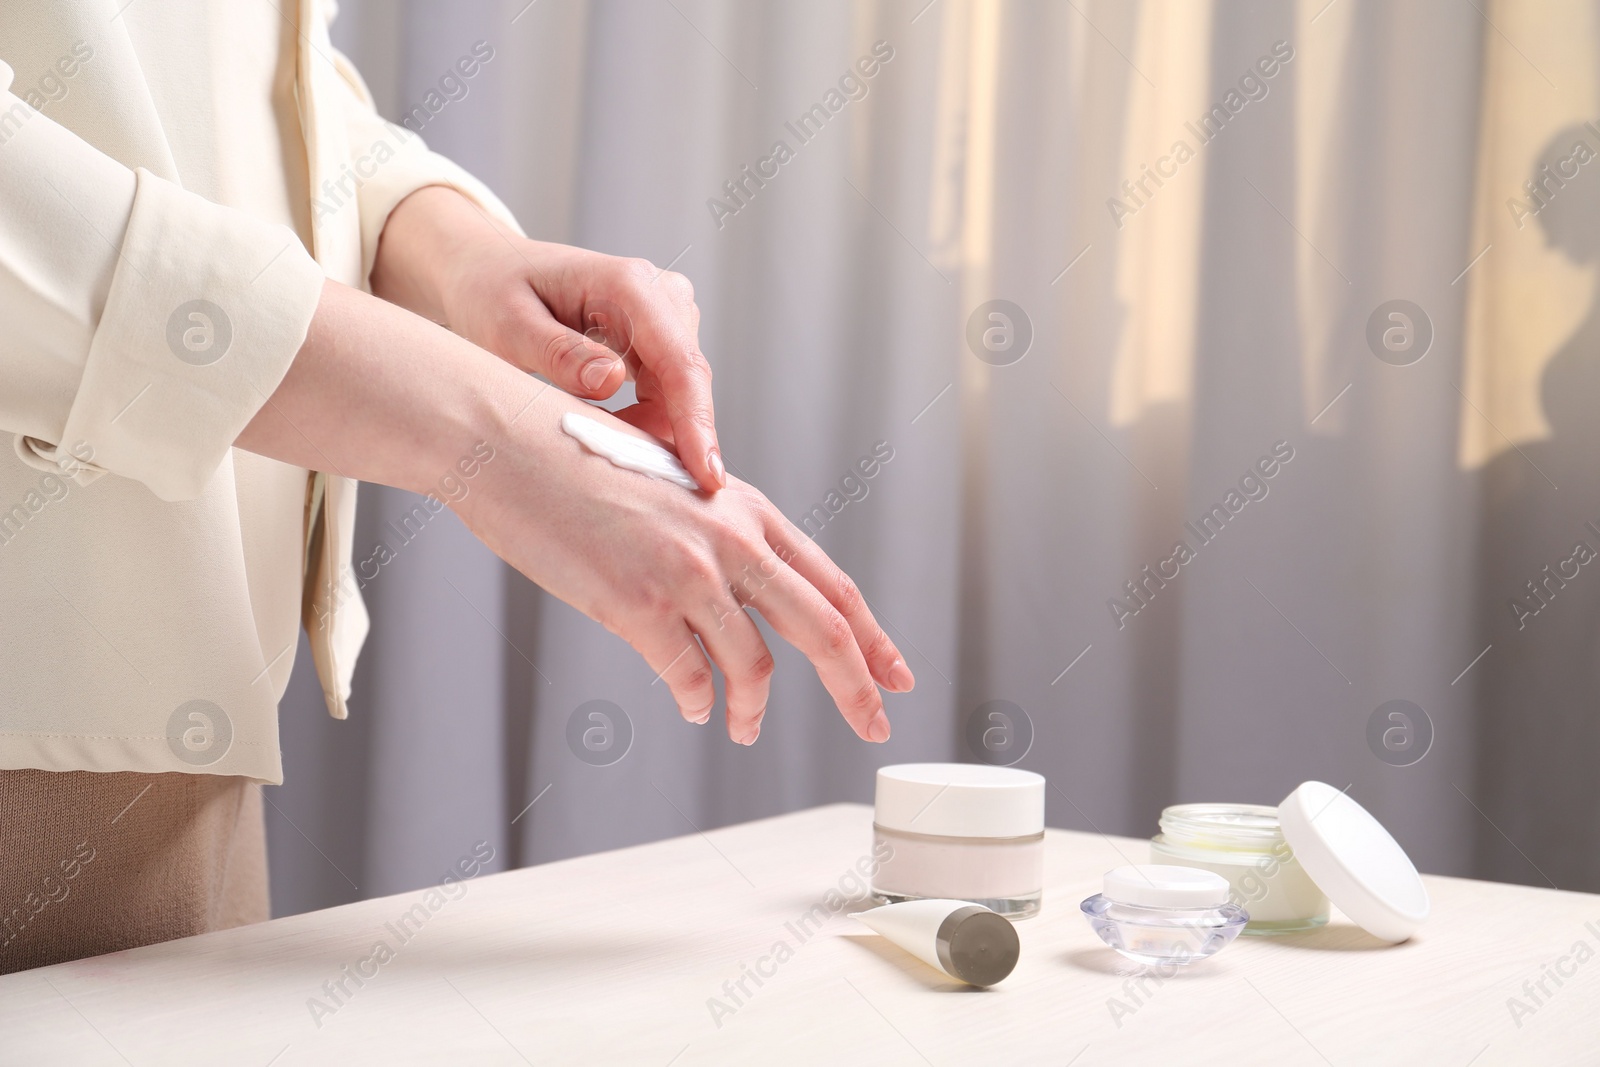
(714,461)
(900,677)
(596,371)
(878,729)
(705,717)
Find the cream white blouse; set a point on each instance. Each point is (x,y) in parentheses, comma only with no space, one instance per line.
(177,177)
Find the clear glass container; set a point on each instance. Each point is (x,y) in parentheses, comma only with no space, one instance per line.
(1004,874)
(1164,936)
(1244,844)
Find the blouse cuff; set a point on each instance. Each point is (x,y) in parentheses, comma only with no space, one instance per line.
(207,309)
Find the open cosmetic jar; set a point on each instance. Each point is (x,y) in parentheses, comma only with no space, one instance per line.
(1244,844)
(1161,915)
(960,831)
(1284,865)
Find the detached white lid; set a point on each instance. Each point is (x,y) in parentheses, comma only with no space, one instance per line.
(959,800)
(1354,860)
(1158,885)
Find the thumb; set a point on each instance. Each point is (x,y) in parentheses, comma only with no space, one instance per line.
(581,364)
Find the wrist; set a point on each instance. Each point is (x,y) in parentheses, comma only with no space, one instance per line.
(503,424)
(426,242)
(480,408)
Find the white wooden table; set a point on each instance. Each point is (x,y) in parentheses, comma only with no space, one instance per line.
(614,958)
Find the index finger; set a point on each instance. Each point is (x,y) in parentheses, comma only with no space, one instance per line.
(666,341)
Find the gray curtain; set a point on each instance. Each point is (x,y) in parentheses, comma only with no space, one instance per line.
(1225,317)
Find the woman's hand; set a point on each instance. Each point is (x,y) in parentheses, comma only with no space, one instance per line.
(585,321)
(660,566)
(379,394)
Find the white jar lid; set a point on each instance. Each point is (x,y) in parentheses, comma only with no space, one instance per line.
(1354,860)
(1159,885)
(959,800)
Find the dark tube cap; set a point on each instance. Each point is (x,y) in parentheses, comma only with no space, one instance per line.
(978,946)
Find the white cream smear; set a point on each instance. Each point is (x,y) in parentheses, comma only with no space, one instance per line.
(627,451)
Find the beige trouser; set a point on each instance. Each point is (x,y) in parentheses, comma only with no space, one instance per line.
(93,863)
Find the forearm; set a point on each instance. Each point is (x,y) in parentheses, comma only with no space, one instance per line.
(379,394)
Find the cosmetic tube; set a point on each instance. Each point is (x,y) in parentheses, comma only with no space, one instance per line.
(965,941)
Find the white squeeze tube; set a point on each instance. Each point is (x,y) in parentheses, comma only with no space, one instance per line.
(627,451)
(964,940)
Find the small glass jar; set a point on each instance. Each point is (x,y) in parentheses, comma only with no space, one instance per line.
(1163,915)
(960,831)
(1244,844)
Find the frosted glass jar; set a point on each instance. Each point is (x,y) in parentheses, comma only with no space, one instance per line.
(960,831)
(1244,843)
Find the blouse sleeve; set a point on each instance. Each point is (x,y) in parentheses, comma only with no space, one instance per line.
(390,162)
(144,325)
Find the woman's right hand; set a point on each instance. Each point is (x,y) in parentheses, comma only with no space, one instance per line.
(661,566)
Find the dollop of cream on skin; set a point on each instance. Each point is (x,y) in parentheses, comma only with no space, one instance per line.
(627,451)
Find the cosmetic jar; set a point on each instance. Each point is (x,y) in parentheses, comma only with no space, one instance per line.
(1156,914)
(1285,864)
(960,831)
(1245,845)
